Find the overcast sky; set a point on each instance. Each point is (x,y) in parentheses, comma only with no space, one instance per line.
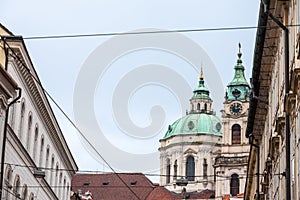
(60,62)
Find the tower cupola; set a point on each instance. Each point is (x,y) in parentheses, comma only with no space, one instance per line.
(238,88)
(201,101)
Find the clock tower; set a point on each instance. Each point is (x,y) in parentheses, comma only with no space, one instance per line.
(233,159)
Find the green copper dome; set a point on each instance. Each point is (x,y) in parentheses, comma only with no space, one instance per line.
(238,88)
(201,119)
(200,123)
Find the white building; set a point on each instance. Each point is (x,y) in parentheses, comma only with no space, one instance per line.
(34,144)
(205,152)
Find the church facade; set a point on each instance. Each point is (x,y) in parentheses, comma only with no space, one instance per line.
(203,152)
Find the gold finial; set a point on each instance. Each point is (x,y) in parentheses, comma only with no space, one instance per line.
(239,53)
(201,73)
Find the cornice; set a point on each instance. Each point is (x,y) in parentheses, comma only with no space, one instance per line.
(42,105)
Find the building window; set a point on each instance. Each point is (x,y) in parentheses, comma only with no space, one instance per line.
(205,168)
(168,171)
(190,168)
(17,187)
(67,190)
(198,106)
(24,193)
(8,174)
(59,185)
(47,158)
(234,184)
(29,133)
(64,189)
(41,151)
(36,134)
(175,170)
(31,197)
(236,134)
(56,177)
(21,120)
(205,107)
(51,170)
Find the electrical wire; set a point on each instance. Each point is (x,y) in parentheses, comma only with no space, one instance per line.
(119,186)
(152,32)
(118,34)
(104,172)
(67,117)
(14,194)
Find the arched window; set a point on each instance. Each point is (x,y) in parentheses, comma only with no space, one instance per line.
(25,192)
(236,134)
(36,134)
(31,196)
(234,184)
(204,168)
(59,185)
(21,120)
(29,133)
(168,171)
(175,170)
(51,171)
(68,190)
(56,177)
(190,168)
(7,182)
(48,172)
(205,106)
(41,151)
(17,187)
(198,106)
(64,189)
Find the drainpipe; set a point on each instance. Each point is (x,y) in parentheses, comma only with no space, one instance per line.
(4,140)
(287,88)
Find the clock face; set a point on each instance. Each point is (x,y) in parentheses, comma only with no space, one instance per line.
(236,108)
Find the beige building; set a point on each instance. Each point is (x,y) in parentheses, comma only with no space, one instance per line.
(274,118)
(38,163)
(231,163)
(202,152)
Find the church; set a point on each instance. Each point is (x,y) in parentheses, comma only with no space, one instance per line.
(202,152)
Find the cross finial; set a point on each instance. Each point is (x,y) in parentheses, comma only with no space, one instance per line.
(201,72)
(240,53)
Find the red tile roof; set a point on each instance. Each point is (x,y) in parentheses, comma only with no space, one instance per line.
(110,187)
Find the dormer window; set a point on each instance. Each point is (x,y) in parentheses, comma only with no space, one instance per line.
(133,183)
(86,184)
(105,183)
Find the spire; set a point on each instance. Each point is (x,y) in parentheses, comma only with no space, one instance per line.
(238,87)
(201,91)
(201,73)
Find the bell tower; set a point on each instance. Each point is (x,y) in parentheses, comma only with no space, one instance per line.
(234,154)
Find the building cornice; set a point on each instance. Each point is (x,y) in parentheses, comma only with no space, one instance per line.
(41,104)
